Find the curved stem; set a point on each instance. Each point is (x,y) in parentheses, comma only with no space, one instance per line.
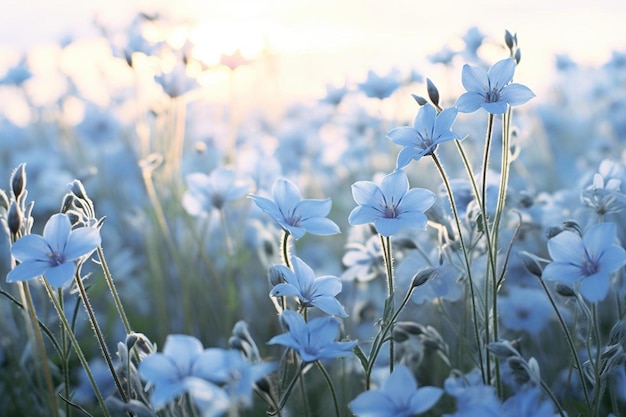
(77,348)
(116,298)
(389,305)
(98,333)
(457,221)
(330,386)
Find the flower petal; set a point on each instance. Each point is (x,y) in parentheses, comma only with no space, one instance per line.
(286,195)
(387,226)
(403,136)
(320,226)
(501,73)
(81,241)
(363,215)
(60,275)
(418,199)
(31,248)
(366,193)
(566,247)
(469,102)
(394,186)
(330,305)
(516,94)
(28,270)
(424,399)
(562,272)
(56,232)
(595,287)
(474,79)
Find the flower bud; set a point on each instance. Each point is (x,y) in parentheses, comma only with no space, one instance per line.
(564,290)
(410,327)
(4,201)
(433,93)
(531,264)
(419,99)
(18,181)
(518,56)
(77,188)
(502,349)
(275,276)
(424,275)
(14,219)
(509,40)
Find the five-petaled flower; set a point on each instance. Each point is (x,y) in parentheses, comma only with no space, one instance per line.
(390,206)
(54,253)
(398,396)
(206,192)
(313,340)
(586,261)
(492,90)
(310,291)
(295,215)
(429,130)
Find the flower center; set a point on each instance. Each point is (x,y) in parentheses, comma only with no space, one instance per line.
(293,221)
(56,259)
(390,212)
(590,266)
(493,95)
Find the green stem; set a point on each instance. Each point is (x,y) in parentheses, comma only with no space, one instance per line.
(330,386)
(77,348)
(570,342)
(65,363)
(30,306)
(599,380)
(98,333)
(116,298)
(389,306)
(457,221)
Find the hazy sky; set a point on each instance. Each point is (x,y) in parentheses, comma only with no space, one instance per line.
(329,39)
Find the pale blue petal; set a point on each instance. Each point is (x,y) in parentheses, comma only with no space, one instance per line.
(444,121)
(27,270)
(497,107)
(403,136)
(158,368)
(81,241)
(327,285)
(562,272)
(323,330)
(418,199)
(406,155)
(469,102)
(194,203)
(31,248)
(516,94)
(566,247)
(363,215)
(330,305)
(424,399)
(388,227)
(287,274)
(595,287)
(474,79)
(501,73)
(599,237)
(366,193)
(212,364)
(166,392)
(267,205)
(199,182)
(283,290)
(56,232)
(286,340)
(286,195)
(400,385)
(59,275)
(313,208)
(372,404)
(294,322)
(303,273)
(183,350)
(394,186)
(296,232)
(425,119)
(413,219)
(320,226)
(612,259)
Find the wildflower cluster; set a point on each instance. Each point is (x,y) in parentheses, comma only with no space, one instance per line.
(338,261)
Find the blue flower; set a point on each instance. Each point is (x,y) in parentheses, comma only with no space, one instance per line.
(170,370)
(295,215)
(491,90)
(399,396)
(314,340)
(586,261)
(525,309)
(310,291)
(380,87)
(206,192)
(391,206)
(429,130)
(54,253)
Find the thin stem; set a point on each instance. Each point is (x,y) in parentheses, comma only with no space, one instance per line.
(330,386)
(77,348)
(65,357)
(40,346)
(389,306)
(289,388)
(98,334)
(116,298)
(570,342)
(285,249)
(599,380)
(457,221)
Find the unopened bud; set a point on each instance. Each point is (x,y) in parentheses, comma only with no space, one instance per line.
(275,276)
(4,201)
(433,93)
(67,202)
(518,56)
(509,40)
(423,275)
(564,290)
(410,327)
(18,181)
(502,350)
(531,264)
(419,99)
(77,188)
(14,219)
